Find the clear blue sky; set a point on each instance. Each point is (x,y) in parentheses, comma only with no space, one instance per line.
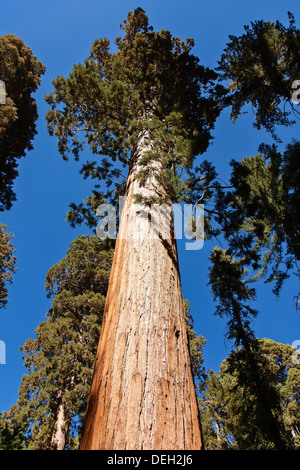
(60,34)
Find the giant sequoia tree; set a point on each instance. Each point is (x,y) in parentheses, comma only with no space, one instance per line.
(263,67)
(145,109)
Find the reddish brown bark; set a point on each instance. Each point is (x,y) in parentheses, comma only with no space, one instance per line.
(142,394)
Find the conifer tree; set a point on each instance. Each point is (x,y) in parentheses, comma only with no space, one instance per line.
(263,68)
(247,363)
(147,111)
(12,430)
(20,76)
(196,345)
(231,413)
(53,394)
(258,213)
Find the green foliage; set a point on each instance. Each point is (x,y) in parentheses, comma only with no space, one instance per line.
(114,99)
(227,279)
(258,212)
(60,359)
(7,263)
(259,215)
(12,432)
(262,65)
(212,405)
(260,399)
(20,71)
(196,345)
(232,416)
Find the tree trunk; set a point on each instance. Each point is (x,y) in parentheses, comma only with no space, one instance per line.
(218,434)
(142,394)
(58,440)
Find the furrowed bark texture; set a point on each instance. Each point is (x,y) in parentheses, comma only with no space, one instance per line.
(142,394)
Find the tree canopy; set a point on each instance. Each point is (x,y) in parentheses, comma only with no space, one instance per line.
(258,212)
(21,72)
(262,65)
(232,416)
(114,98)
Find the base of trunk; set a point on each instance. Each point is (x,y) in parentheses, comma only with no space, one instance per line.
(142,394)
